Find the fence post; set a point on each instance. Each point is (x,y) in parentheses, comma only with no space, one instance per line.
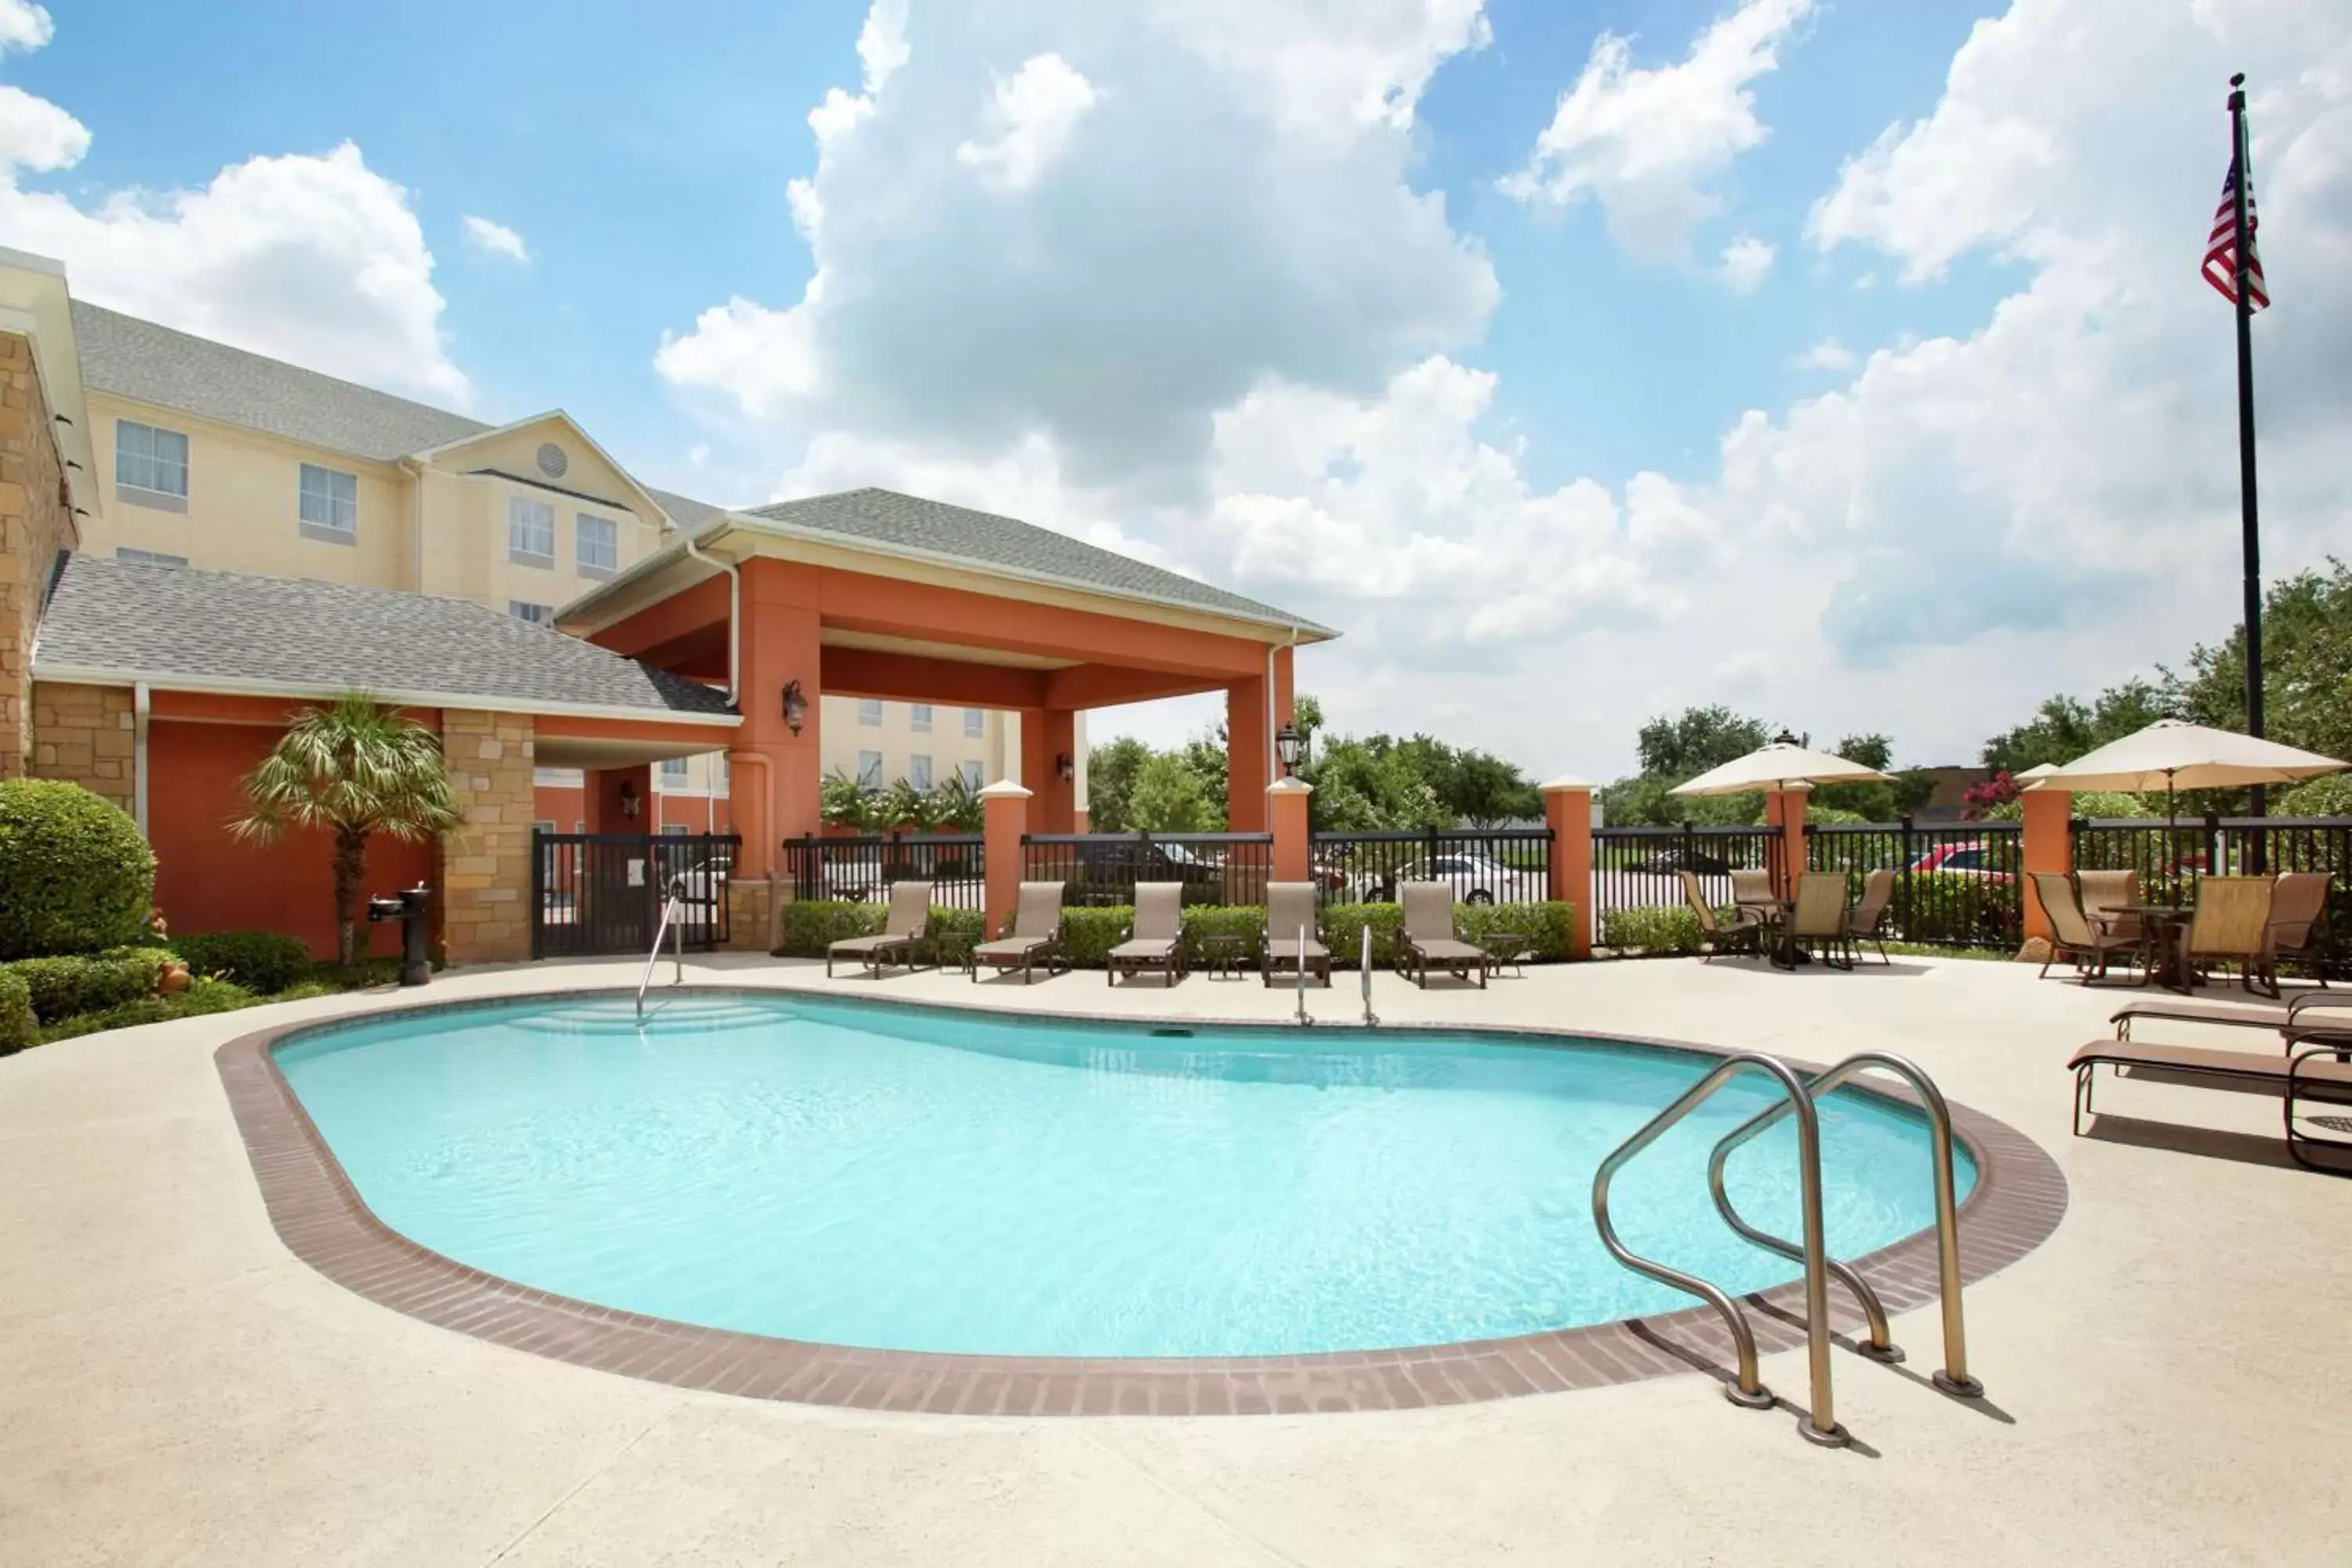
(2047,848)
(1906,855)
(1568,812)
(1004,825)
(1285,816)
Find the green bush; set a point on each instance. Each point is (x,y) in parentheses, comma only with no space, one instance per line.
(260,961)
(1089,934)
(75,875)
(1958,909)
(19,1028)
(60,987)
(1343,932)
(1202,921)
(201,997)
(1662,928)
(1549,926)
(806,927)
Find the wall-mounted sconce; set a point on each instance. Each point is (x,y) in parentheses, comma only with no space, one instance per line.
(632,803)
(1065,769)
(795,706)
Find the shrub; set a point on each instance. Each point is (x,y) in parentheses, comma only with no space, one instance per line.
(1090,934)
(1549,926)
(201,997)
(806,927)
(1344,925)
(1662,928)
(75,875)
(19,1028)
(1955,908)
(87,983)
(1202,921)
(260,961)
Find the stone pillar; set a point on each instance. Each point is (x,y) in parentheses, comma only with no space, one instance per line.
(751,915)
(1286,817)
(484,888)
(1568,812)
(1005,824)
(36,522)
(1785,809)
(86,735)
(2049,846)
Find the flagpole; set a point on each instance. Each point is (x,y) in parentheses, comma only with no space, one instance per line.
(2249,523)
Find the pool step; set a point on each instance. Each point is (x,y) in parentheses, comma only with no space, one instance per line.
(668,1015)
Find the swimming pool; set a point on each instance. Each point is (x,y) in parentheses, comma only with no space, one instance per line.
(929,1179)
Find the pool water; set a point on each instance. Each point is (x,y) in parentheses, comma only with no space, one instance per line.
(921,1179)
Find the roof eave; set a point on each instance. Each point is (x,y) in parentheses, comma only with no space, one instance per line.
(240,686)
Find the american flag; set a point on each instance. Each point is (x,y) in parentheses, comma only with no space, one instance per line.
(2221,245)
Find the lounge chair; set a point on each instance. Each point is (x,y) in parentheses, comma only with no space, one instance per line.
(1429,939)
(1036,935)
(1867,922)
(1155,939)
(2232,925)
(2074,938)
(1289,907)
(2315,1073)
(1743,933)
(1817,920)
(2298,924)
(2313,1015)
(2105,896)
(903,928)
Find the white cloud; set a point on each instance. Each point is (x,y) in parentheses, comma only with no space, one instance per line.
(1030,118)
(1747,262)
(496,239)
(312,258)
(1827,354)
(24,25)
(1647,143)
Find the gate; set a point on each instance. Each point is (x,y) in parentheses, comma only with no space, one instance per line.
(602,892)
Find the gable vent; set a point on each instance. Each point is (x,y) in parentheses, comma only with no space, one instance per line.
(551,460)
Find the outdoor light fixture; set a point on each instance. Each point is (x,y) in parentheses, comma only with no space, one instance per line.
(1066,769)
(1287,745)
(632,803)
(795,706)
(1784,739)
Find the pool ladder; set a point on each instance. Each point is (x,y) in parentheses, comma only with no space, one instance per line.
(673,927)
(1797,1099)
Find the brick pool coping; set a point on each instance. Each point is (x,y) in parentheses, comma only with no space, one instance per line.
(2018,1199)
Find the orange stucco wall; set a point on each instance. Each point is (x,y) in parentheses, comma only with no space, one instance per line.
(206,879)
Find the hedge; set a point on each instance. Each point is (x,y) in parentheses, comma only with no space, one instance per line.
(19,1028)
(87,983)
(201,996)
(1661,928)
(261,961)
(806,927)
(75,875)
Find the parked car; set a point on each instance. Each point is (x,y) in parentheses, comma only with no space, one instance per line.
(1968,858)
(1107,872)
(1475,879)
(1680,857)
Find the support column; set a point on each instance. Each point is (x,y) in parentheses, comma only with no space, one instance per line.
(1049,735)
(781,799)
(2048,847)
(1285,816)
(483,868)
(1005,822)
(1568,812)
(1785,810)
(1246,773)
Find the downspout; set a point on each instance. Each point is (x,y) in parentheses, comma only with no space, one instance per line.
(767,795)
(139,711)
(734,612)
(415,523)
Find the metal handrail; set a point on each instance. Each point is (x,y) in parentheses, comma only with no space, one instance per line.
(1371,1017)
(1822,1428)
(673,928)
(1954,1376)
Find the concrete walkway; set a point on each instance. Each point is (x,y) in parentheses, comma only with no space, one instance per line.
(2167,1374)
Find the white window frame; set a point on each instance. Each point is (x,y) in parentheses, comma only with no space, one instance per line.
(158,467)
(610,560)
(676,829)
(523,518)
(870,769)
(919,718)
(679,768)
(148,557)
(870,712)
(918,770)
(321,509)
(975,723)
(530,613)
(971,769)
(544,825)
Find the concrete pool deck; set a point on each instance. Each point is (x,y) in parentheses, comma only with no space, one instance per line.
(2164,1374)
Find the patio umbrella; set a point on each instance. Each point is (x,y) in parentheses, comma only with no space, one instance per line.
(2172,755)
(1777,766)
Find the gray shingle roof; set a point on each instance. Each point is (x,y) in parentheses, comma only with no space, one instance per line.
(684,510)
(910,522)
(158,622)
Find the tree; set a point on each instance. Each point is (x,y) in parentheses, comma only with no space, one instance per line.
(1698,739)
(2064,727)
(1111,770)
(354,768)
(1875,801)
(2307,667)
(1168,797)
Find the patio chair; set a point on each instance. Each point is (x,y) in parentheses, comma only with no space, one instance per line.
(1036,935)
(903,929)
(1155,939)
(1817,921)
(2298,923)
(2232,924)
(1743,933)
(2073,936)
(1289,907)
(1867,922)
(2104,896)
(1429,939)
(1754,890)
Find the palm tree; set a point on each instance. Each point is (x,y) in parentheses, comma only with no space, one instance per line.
(355,768)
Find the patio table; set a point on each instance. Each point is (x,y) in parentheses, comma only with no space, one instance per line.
(2168,941)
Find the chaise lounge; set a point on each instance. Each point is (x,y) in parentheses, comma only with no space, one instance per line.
(1035,938)
(903,929)
(1156,938)
(1429,939)
(2314,1073)
(1290,910)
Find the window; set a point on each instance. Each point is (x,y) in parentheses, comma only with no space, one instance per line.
(870,769)
(918,770)
(542,827)
(919,714)
(329,504)
(149,558)
(151,464)
(870,713)
(678,827)
(530,531)
(524,610)
(970,768)
(557,778)
(674,768)
(596,545)
(579,824)
(975,723)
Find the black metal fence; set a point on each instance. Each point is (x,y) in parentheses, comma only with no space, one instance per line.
(1640,868)
(861,870)
(602,892)
(1102,868)
(1482,865)
(1955,884)
(2171,859)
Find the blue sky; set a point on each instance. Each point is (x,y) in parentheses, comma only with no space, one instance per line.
(1172,278)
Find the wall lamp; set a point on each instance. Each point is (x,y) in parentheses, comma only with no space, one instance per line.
(1065,769)
(795,706)
(632,803)
(1288,745)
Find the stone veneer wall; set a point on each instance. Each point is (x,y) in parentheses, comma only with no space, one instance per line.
(36,522)
(485,882)
(84,734)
